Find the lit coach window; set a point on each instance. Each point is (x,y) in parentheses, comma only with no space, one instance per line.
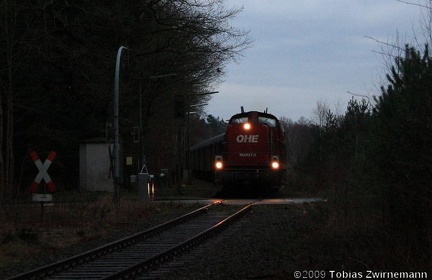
(247,126)
(218,162)
(275,162)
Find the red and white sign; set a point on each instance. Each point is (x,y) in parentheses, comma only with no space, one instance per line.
(43,174)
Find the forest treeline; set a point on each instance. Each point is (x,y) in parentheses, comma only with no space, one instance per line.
(57,72)
(374,163)
(57,57)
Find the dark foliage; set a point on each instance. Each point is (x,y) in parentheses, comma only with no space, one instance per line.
(402,149)
(57,74)
(374,164)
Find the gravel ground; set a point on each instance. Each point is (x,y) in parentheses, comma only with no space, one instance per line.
(271,242)
(51,254)
(267,244)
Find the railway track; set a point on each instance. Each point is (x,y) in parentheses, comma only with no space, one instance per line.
(136,255)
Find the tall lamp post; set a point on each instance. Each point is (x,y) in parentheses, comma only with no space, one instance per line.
(116,174)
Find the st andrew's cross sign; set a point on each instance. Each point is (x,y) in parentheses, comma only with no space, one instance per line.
(43,174)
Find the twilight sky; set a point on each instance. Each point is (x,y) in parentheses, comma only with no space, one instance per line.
(306,51)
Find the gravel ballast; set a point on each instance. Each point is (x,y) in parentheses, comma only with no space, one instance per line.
(259,245)
(263,245)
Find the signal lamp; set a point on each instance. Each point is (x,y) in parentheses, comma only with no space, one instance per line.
(218,162)
(247,126)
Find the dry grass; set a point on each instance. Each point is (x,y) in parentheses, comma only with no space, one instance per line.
(24,232)
(363,240)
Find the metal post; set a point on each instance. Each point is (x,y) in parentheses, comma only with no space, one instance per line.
(116,174)
(188,138)
(141,160)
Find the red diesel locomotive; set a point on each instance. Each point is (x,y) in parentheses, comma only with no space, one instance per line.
(248,158)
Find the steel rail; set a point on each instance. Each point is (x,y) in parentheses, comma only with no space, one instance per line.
(51,269)
(156,260)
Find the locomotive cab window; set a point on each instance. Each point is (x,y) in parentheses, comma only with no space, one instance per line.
(239,120)
(268,121)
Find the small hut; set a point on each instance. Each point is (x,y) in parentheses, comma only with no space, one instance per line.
(95,166)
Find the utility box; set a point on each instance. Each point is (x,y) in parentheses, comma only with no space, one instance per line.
(95,166)
(143,185)
(133,178)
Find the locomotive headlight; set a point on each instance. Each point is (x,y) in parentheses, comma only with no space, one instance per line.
(247,126)
(275,162)
(218,162)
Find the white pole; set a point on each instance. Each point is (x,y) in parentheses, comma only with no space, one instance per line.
(116,174)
